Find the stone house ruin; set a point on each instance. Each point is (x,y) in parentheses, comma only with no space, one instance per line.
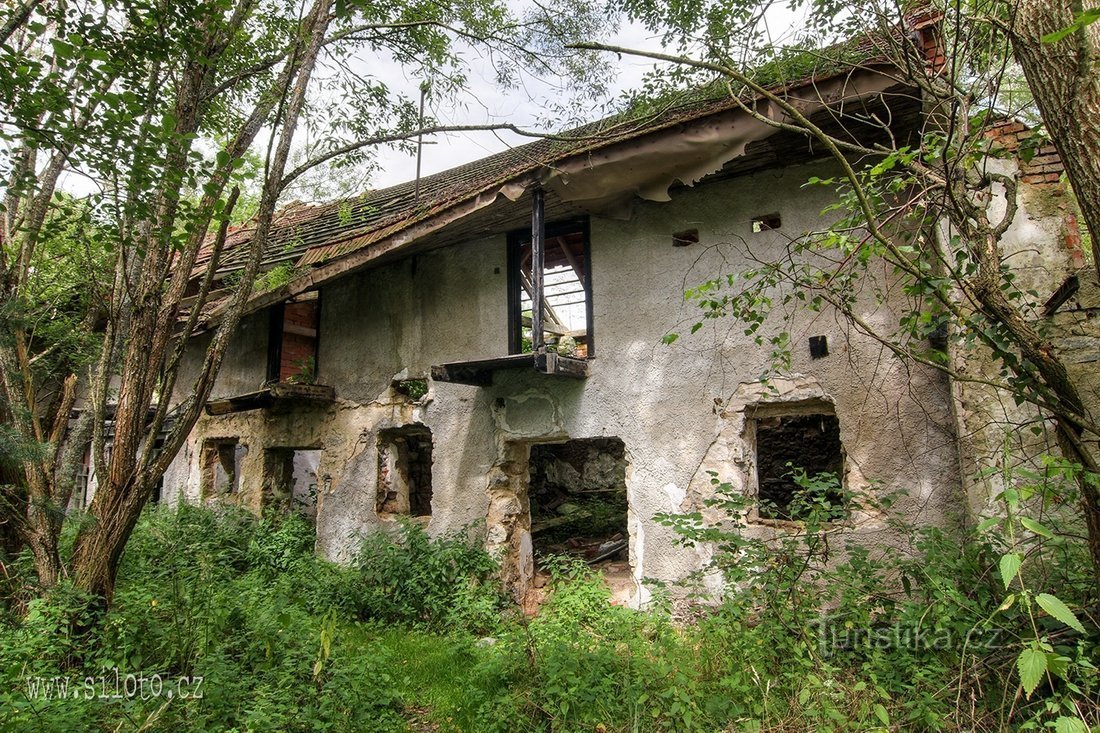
(401,368)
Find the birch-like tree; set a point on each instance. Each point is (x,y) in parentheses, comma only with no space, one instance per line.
(124,128)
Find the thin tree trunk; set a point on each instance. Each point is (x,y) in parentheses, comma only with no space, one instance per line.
(118,503)
(1064,82)
(986,292)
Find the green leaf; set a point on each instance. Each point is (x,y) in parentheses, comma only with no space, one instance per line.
(1069,725)
(1010,565)
(1057,664)
(1037,528)
(1086,18)
(1060,611)
(882,715)
(668,338)
(1031,664)
(1008,602)
(986,524)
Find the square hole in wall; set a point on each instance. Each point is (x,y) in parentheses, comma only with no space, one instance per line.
(799,466)
(221,466)
(404,471)
(766,222)
(290,479)
(685,238)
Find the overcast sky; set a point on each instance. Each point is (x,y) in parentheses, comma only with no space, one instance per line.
(485,103)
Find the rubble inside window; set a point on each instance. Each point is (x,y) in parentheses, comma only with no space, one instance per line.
(291,480)
(578,501)
(221,466)
(404,472)
(795,445)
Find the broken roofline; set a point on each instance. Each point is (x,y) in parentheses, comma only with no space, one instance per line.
(689,141)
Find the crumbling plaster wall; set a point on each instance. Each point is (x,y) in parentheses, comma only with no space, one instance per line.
(1042,247)
(679,409)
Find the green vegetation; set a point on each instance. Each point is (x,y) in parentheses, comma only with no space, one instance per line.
(415,635)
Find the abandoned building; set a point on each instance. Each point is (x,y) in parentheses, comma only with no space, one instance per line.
(483,348)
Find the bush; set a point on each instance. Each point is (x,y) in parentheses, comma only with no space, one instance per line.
(202,595)
(440,583)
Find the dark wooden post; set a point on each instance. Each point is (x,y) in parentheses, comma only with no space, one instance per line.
(538,257)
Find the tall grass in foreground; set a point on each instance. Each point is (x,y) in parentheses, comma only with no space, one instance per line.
(416,635)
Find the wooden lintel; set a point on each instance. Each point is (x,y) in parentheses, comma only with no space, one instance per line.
(283,394)
(460,374)
(480,373)
(300,330)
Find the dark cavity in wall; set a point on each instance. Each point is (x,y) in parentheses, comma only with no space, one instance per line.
(404,471)
(290,479)
(221,466)
(786,444)
(578,501)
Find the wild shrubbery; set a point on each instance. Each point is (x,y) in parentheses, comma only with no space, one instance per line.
(275,634)
(934,633)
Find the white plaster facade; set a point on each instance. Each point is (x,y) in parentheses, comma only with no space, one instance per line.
(680,409)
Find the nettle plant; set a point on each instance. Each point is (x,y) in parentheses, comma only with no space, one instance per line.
(1057,652)
(819,504)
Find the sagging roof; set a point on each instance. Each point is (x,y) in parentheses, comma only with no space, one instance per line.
(597,167)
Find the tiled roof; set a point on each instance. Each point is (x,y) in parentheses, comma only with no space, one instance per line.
(309,235)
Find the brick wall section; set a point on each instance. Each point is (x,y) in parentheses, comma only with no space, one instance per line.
(1044,171)
(932,48)
(1044,167)
(298,349)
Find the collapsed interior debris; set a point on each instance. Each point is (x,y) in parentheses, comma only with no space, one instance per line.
(578,500)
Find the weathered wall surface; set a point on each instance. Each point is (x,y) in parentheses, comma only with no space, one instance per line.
(1043,248)
(682,410)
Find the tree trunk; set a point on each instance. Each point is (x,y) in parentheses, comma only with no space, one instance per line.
(47,559)
(1066,87)
(127,485)
(94,566)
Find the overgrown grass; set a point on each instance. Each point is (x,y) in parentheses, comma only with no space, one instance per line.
(416,636)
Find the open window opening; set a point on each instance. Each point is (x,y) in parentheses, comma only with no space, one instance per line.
(83,488)
(578,502)
(221,466)
(567,292)
(293,341)
(291,479)
(799,466)
(404,472)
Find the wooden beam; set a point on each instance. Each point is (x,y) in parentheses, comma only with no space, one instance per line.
(538,262)
(570,258)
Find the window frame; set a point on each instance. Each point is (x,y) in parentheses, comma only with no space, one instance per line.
(516,239)
(275,341)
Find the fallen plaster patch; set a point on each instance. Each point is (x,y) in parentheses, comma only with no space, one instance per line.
(676,497)
(528,415)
